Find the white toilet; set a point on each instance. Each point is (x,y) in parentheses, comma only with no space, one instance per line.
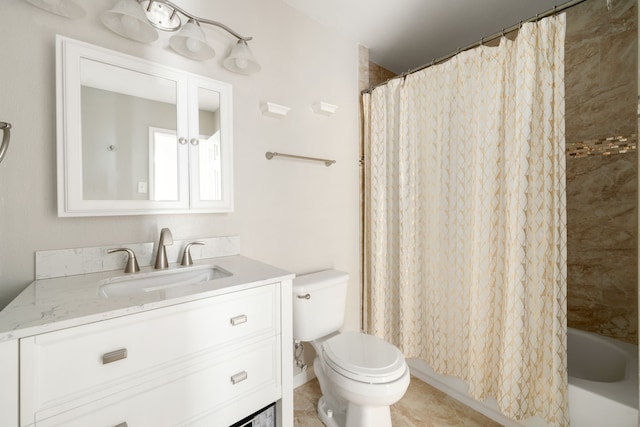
(360,375)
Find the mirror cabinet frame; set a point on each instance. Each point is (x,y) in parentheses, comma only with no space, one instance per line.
(71,203)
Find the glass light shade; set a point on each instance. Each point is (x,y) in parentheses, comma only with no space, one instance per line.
(127,18)
(66,8)
(191,42)
(241,60)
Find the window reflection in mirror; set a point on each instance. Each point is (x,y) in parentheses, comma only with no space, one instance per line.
(121,160)
(163,164)
(208,148)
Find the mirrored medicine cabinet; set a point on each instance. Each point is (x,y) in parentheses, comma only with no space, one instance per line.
(135,137)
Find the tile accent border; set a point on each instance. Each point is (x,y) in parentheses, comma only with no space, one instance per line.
(69,262)
(602,147)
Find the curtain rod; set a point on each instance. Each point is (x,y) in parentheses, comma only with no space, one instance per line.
(556,10)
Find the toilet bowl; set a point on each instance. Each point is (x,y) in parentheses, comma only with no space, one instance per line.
(360,375)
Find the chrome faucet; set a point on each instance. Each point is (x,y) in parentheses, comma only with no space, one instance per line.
(161,257)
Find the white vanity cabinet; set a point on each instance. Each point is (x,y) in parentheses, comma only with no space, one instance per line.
(208,362)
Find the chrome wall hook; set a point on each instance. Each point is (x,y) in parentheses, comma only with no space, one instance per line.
(6,128)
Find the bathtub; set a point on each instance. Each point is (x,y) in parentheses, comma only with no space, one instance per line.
(603,380)
(603,384)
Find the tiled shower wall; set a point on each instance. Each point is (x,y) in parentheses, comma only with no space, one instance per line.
(378,74)
(601,55)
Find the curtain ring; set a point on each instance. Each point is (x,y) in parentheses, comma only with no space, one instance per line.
(503,32)
(520,27)
(481,41)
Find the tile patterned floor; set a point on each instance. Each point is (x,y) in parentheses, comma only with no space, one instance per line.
(422,406)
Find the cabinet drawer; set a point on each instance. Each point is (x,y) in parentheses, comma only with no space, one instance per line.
(62,369)
(185,397)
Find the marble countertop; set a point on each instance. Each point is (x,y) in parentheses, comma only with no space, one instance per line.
(52,304)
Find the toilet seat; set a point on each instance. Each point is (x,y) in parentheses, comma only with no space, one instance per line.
(364,358)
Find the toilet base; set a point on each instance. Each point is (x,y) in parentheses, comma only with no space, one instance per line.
(328,417)
(356,416)
(360,416)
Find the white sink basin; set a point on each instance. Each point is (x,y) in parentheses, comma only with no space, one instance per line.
(160,280)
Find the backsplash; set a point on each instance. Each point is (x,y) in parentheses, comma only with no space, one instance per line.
(69,262)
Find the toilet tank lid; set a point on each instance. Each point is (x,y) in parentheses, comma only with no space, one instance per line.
(318,280)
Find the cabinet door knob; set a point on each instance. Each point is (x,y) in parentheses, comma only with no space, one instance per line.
(114,356)
(182,140)
(239,377)
(195,141)
(239,320)
(124,424)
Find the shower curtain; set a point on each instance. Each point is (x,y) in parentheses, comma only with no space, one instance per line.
(465,238)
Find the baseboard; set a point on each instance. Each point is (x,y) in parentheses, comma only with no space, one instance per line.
(423,372)
(303,377)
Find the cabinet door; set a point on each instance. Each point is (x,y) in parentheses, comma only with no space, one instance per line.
(9,383)
(210,147)
(119,128)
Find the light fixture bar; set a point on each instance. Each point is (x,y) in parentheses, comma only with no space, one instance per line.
(139,20)
(177,8)
(161,16)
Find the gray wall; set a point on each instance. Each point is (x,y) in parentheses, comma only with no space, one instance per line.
(299,216)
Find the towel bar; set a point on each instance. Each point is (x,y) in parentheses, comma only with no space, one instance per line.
(271,154)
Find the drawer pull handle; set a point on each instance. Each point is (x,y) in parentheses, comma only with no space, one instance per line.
(239,377)
(114,356)
(122,425)
(305,296)
(238,320)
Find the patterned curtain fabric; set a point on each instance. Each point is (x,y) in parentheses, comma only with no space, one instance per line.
(465,222)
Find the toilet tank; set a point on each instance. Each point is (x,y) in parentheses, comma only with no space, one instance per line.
(319,301)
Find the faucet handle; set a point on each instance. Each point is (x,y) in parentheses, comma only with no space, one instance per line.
(186,255)
(132,262)
(165,237)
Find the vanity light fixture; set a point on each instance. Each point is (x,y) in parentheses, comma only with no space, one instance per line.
(128,19)
(136,19)
(66,8)
(191,42)
(241,60)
